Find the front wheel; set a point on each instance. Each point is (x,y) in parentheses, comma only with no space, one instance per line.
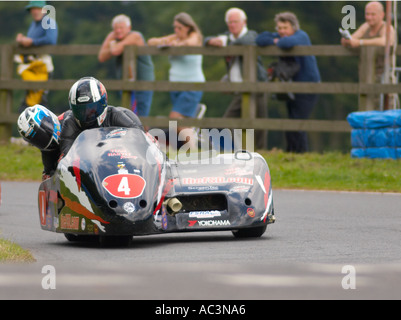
(115,241)
(255,232)
(80,238)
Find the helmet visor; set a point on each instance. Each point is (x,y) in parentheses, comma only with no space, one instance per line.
(42,136)
(87,114)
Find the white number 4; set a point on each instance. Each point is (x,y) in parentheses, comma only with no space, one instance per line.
(124,186)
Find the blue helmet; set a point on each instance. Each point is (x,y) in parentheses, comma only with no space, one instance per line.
(40,127)
(88,102)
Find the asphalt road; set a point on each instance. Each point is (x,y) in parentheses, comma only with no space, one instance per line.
(324,245)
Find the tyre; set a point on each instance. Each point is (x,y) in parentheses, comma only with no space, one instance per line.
(255,232)
(115,241)
(80,238)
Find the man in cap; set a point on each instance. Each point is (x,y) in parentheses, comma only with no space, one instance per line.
(42,31)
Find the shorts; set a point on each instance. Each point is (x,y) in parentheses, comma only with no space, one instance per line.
(186,102)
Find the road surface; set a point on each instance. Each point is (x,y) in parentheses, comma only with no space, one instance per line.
(324,245)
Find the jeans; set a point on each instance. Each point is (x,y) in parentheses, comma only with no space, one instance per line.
(300,108)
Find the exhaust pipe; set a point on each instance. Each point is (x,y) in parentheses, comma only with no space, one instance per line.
(174,204)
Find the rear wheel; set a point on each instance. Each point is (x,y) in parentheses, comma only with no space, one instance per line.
(255,232)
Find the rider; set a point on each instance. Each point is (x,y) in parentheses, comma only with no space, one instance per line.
(88,103)
(41,128)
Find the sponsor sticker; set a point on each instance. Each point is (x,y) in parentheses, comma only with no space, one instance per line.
(204,214)
(129,207)
(208,223)
(164,218)
(68,222)
(42,207)
(125,186)
(217,180)
(117,133)
(251,212)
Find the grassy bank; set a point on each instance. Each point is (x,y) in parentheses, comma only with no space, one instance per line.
(333,171)
(11,252)
(20,163)
(311,171)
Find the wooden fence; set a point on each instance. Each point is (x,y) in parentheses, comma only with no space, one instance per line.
(365,88)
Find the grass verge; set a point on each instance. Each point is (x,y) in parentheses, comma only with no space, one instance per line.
(20,163)
(333,171)
(310,171)
(12,252)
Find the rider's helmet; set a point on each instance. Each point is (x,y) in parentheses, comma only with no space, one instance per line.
(40,127)
(88,102)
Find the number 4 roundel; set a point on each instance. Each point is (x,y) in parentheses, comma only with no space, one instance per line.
(124,185)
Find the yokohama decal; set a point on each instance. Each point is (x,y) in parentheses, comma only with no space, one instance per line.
(126,186)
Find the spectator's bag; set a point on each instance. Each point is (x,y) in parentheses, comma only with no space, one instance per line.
(283,70)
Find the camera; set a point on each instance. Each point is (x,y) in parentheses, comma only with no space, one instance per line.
(345,34)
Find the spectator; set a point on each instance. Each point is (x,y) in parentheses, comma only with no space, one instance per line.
(187,68)
(287,36)
(113,45)
(42,31)
(372,33)
(238,34)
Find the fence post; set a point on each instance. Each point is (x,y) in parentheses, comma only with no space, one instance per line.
(248,110)
(129,72)
(6,96)
(367,74)
(249,74)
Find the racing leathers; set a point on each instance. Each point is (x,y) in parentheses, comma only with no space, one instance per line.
(115,117)
(50,157)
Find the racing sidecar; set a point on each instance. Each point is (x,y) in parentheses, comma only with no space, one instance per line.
(116,182)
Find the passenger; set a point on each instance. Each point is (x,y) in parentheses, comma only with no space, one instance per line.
(41,128)
(88,103)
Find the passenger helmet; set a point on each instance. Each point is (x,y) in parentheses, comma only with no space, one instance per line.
(40,127)
(88,102)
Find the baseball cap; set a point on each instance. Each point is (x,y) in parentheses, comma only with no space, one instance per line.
(35,4)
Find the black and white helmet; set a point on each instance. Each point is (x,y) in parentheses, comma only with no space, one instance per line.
(40,127)
(88,102)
